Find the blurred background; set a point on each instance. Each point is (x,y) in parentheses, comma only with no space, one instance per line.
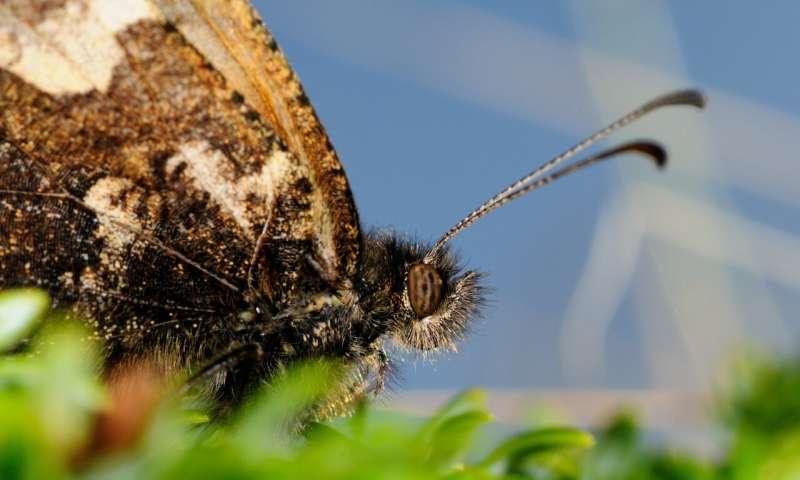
(616,285)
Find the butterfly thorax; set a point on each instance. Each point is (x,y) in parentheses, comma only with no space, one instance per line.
(357,323)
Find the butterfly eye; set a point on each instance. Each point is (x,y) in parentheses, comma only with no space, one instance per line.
(424,289)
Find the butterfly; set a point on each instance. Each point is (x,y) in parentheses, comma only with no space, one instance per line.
(165,177)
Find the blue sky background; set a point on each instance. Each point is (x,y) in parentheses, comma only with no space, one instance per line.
(434,106)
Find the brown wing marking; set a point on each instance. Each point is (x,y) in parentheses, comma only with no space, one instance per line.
(170,124)
(125,285)
(233,38)
(137,179)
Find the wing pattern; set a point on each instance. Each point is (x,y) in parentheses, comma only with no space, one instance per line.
(155,176)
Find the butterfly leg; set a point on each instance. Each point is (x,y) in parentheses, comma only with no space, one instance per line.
(216,373)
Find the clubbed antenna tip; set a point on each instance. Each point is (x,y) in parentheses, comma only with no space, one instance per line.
(689,97)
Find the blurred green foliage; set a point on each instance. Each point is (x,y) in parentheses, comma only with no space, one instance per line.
(50,399)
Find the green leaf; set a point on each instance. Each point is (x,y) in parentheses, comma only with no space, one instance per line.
(783,461)
(619,452)
(68,391)
(276,411)
(468,401)
(26,452)
(21,310)
(449,431)
(537,441)
(453,437)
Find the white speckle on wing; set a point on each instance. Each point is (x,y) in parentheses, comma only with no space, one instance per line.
(243,197)
(72,49)
(118,222)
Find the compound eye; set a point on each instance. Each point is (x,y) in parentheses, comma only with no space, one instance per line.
(425,287)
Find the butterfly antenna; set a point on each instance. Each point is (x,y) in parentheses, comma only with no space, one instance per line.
(529,182)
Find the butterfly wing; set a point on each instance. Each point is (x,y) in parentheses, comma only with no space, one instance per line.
(232,36)
(162,168)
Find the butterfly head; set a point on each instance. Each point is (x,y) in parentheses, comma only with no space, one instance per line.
(426,298)
(441,300)
(425,303)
